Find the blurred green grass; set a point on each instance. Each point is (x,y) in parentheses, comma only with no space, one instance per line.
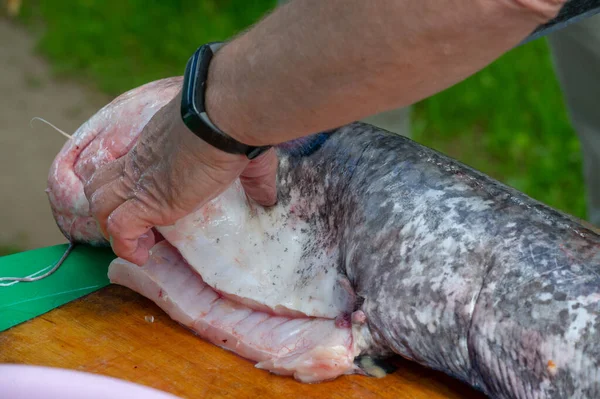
(508,121)
(117,45)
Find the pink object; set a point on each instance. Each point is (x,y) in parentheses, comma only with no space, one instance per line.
(35,382)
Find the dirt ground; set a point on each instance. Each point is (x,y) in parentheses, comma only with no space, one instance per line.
(27,90)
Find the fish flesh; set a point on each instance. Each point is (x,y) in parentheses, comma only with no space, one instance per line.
(378,246)
(309,349)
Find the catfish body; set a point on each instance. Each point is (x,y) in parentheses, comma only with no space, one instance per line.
(455,270)
(396,250)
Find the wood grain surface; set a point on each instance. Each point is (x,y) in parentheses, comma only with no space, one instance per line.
(111,332)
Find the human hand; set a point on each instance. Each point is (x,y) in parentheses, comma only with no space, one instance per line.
(169,173)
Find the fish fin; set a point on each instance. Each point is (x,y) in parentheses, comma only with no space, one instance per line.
(374,366)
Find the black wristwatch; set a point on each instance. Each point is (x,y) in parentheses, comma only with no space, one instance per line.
(193,110)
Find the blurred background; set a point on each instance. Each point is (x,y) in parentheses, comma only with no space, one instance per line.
(64,60)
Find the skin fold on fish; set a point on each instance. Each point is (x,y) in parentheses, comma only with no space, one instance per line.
(377,246)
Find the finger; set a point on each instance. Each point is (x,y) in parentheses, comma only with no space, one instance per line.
(259,178)
(130,233)
(99,191)
(105,200)
(106,174)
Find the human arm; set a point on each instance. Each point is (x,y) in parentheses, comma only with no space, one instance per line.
(314,65)
(309,66)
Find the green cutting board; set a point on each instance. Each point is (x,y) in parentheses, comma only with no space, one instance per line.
(84,271)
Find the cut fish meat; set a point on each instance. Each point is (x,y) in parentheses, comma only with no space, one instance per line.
(262,256)
(310,349)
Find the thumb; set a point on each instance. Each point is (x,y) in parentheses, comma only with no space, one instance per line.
(259,178)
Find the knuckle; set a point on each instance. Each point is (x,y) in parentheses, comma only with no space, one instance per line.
(95,207)
(91,186)
(116,225)
(128,183)
(149,200)
(113,227)
(96,203)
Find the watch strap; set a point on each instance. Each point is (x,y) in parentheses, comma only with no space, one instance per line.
(193,108)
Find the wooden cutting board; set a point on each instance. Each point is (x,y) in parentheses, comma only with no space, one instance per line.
(118,333)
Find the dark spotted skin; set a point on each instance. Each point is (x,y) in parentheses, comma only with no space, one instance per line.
(453,269)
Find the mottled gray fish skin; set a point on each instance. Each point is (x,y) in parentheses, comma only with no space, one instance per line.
(453,269)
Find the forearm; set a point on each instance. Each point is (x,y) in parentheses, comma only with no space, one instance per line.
(314,65)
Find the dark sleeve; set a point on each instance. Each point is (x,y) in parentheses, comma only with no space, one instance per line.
(573,11)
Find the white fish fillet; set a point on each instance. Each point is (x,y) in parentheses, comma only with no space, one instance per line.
(310,349)
(260,255)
